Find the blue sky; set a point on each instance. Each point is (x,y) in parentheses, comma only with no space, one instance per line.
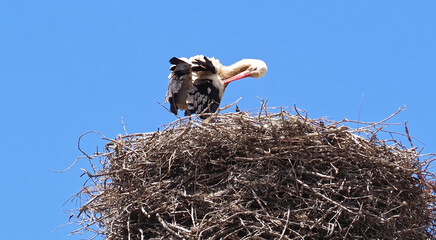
(67,67)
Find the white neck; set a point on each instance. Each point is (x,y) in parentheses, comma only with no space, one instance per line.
(235,68)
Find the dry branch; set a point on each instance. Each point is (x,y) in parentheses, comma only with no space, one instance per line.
(261,176)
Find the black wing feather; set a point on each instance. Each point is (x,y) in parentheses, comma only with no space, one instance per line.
(180,70)
(176,61)
(203,97)
(205,65)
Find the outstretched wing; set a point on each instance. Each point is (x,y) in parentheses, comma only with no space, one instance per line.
(180,76)
(203,97)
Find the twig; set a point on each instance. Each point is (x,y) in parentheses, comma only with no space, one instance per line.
(124,126)
(168,110)
(286,224)
(229,106)
(165,225)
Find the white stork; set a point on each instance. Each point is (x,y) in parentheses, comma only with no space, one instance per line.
(197,84)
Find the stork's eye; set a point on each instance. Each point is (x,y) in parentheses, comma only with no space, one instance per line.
(254,69)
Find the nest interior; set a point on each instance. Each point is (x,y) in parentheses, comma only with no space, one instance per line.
(261,176)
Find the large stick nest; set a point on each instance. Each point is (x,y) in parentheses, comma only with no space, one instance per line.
(261,176)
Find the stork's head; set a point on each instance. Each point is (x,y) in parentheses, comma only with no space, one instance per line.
(256,69)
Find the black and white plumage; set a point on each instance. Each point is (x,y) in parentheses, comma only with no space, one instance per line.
(197,84)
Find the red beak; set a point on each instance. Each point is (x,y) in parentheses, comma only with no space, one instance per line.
(238,76)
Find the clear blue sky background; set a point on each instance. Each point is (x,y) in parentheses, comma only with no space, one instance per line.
(67,67)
